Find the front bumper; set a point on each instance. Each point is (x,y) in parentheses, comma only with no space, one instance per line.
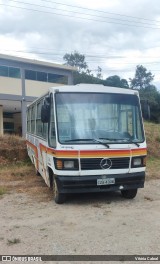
(85,184)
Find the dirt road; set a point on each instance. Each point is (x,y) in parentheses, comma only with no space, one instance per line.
(31,223)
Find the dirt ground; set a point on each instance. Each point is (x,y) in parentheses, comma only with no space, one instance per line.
(31,223)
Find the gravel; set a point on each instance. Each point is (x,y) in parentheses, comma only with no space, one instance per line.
(86,224)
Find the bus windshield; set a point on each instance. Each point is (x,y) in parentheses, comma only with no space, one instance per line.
(89,117)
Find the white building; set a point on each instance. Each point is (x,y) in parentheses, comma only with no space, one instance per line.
(21,81)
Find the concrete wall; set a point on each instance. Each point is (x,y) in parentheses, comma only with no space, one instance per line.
(23,90)
(10,86)
(36,88)
(32,88)
(13,87)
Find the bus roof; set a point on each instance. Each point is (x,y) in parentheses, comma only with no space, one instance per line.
(90,88)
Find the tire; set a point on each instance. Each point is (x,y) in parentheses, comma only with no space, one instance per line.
(37,173)
(129,194)
(59,198)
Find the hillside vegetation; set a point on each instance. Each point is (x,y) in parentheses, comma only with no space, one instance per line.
(12,149)
(152,132)
(153,148)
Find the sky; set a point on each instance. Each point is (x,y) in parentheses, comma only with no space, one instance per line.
(116,35)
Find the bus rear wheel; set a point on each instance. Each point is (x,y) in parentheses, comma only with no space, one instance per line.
(129,194)
(59,198)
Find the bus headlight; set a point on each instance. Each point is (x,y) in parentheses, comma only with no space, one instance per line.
(66,164)
(138,162)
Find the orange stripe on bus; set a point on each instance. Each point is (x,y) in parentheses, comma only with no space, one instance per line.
(31,145)
(93,153)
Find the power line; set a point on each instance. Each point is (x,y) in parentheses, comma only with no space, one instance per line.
(75,12)
(89,19)
(124,70)
(100,11)
(92,58)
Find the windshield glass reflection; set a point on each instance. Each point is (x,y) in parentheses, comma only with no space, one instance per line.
(88,116)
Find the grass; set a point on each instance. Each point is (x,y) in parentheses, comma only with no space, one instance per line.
(152,132)
(12,149)
(153,168)
(10,141)
(15,171)
(2,190)
(17,166)
(21,178)
(13,241)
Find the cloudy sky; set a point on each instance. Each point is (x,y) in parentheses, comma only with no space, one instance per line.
(116,35)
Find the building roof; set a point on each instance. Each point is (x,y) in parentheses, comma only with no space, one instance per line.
(37,62)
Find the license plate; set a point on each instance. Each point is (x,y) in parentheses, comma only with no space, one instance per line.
(106,181)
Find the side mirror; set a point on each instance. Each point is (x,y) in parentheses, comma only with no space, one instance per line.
(45,110)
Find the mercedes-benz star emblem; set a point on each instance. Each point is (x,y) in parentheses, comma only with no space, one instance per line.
(106,163)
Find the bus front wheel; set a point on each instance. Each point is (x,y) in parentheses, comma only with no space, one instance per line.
(129,194)
(58,197)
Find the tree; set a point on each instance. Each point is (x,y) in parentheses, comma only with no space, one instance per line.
(76,59)
(147,91)
(152,96)
(116,81)
(85,77)
(99,72)
(142,79)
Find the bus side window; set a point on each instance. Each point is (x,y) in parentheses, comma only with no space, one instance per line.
(52,133)
(33,110)
(29,120)
(39,127)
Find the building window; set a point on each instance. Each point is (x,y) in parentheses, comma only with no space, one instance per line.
(45,77)
(8,127)
(52,77)
(4,71)
(14,72)
(10,72)
(30,75)
(42,76)
(7,115)
(56,78)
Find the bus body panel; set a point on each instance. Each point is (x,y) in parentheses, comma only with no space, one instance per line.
(94,161)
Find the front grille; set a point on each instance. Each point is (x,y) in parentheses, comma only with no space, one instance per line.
(94,164)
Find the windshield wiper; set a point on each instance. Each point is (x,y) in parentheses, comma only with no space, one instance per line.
(114,139)
(101,142)
(88,139)
(119,139)
(78,139)
(131,141)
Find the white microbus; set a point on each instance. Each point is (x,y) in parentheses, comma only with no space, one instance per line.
(88,138)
